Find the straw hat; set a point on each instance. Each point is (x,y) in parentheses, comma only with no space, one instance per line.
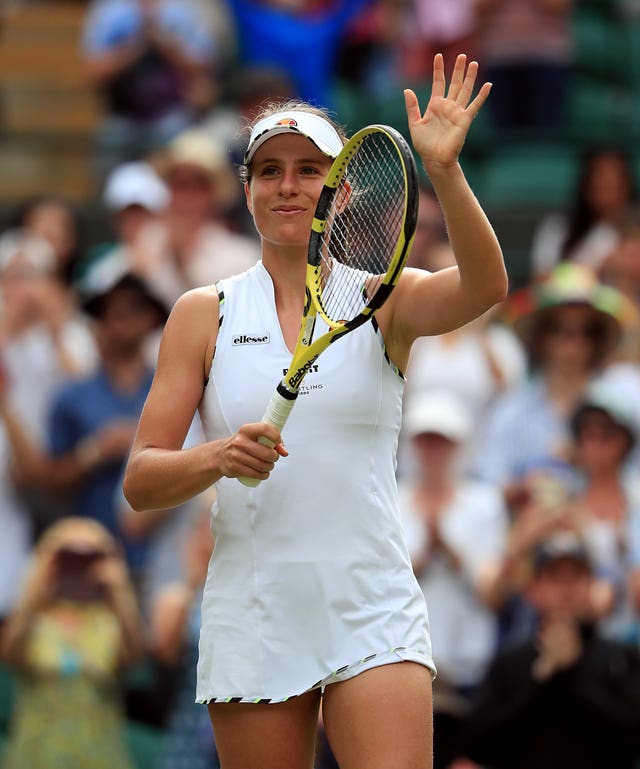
(198,150)
(570,284)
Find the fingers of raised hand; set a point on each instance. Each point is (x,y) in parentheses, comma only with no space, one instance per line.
(439,80)
(463,80)
(458,78)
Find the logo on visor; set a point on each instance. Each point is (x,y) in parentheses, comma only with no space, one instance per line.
(287,121)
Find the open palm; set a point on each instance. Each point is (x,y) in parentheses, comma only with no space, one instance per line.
(439,133)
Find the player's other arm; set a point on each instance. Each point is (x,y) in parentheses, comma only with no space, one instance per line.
(160,473)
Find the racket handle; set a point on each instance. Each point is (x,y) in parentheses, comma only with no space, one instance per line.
(276,414)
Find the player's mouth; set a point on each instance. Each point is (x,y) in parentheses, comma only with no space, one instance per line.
(289,210)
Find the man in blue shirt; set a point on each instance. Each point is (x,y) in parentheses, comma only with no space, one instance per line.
(93,419)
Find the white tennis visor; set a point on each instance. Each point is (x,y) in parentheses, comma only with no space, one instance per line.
(315,128)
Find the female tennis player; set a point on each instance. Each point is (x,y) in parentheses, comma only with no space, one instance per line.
(310,596)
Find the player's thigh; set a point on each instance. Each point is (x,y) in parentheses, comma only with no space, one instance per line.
(266,736)
(381,718)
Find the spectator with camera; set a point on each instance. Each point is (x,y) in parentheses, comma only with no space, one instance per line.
(74,629)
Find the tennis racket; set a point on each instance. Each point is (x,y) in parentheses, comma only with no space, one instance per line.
(360,239)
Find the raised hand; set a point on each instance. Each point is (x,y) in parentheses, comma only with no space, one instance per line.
(439,133)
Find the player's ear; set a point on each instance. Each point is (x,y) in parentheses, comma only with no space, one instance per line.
(247,195)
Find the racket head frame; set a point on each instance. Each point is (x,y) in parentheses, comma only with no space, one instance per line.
(307,350)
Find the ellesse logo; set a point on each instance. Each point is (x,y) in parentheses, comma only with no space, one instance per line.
(240,339)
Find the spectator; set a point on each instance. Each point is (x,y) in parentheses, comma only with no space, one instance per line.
(570,324)
(152,62)
(436,27)
(621,267)
(158,531)
(565,696)
(477,362)
(60,224)
(175,627)
(133,196)
(93,419)
(604,194)
(527,50)
(44,343)
(280,34)
(191,244)
(249,88)
(372,55)
(73,630)
(455,529)
(608,498)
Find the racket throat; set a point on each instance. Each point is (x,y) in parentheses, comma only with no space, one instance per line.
(284,391)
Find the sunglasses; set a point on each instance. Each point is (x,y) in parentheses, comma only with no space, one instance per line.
(586,330)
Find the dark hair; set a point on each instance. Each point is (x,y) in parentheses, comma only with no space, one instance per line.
(26,208)
(582,216)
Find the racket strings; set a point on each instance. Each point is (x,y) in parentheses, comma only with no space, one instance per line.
(364,224)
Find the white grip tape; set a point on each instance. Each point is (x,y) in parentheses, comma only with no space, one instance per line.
(276,414)
(278,411)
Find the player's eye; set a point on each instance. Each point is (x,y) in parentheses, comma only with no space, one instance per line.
(269,171)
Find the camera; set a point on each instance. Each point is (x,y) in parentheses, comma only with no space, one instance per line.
(74,578)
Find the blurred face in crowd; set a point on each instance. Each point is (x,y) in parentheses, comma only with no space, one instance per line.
(601,444)
(54,222)
(125,319)
(192,191)
(562,587)
(608,187)
(435,453)
(130,221)
(25,289)
(570,338)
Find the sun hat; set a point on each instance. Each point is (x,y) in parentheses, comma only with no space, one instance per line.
(316,128)
(439,412)
(569,284)
(198,150)
(135,184)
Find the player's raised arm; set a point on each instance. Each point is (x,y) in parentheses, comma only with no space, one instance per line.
(432,304)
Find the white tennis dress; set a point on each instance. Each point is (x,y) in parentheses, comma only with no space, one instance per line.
(310,581)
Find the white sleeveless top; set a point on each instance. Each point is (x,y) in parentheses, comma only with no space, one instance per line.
(310,580)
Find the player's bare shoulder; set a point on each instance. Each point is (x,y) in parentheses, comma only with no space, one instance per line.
(192,327)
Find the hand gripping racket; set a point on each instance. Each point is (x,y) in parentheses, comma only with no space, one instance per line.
(361,236)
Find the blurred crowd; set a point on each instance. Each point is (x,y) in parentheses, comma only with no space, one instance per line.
(519,458)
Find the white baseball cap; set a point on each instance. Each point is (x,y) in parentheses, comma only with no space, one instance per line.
(439,412)
(135,184)
(314,127)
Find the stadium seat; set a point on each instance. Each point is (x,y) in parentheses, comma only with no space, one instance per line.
(598,112)
(541,175)
(600,43)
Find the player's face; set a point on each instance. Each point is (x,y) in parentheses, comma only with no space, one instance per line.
(287,175)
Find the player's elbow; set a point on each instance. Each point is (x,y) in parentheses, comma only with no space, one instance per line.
(495,291)
(131,488)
